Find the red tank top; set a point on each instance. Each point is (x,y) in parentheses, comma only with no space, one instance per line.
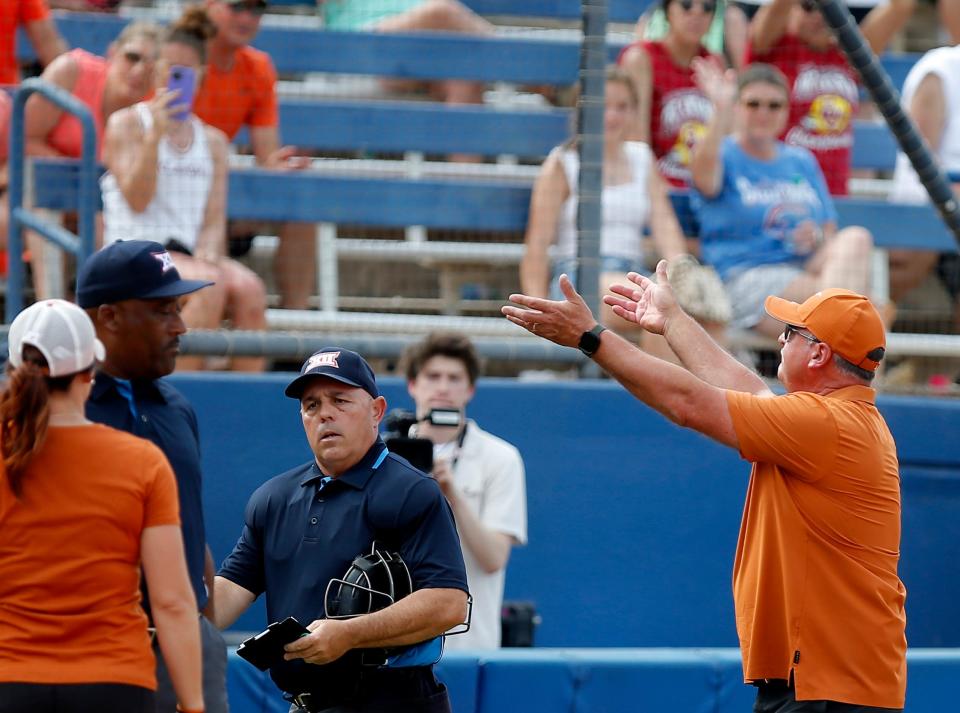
(67,135)
(824,98)
(679,112)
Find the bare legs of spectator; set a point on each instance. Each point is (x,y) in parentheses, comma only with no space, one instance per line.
(295,264)
(202,309)
(246,306)
(442,16)
(908,270)
(949,11)
(844,261)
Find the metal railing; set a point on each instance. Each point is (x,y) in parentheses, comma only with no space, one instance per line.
(81,244)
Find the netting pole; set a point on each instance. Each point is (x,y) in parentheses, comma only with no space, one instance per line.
(590,110)
(887,99)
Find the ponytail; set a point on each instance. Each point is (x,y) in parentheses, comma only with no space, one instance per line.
(25,413)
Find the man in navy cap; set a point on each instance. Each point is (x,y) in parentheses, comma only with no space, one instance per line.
(304,528)
(133,292)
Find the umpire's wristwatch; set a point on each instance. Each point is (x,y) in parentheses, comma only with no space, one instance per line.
(590,340)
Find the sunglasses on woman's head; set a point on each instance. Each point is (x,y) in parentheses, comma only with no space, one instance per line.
(756,104)
(708,6)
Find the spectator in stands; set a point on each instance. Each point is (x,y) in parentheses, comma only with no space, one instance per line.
(726,37)
(767,222)
(634,196)
(239,90)
(73,628)
(34,17)
(167,179)
(818,599)
(931,97)
(105,85)
(412,16)
(672,112)
(824,96)
(480,475)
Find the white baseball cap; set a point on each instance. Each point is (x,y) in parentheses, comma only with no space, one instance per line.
(62,332)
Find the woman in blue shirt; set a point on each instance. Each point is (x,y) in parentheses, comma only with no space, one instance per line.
(767,222)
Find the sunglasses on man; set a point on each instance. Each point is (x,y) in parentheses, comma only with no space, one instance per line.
(789,329)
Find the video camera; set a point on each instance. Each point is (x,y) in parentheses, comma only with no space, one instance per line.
(419,451)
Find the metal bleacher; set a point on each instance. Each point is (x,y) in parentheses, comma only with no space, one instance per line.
(490,198)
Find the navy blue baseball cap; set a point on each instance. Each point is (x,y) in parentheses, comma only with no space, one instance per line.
(131,270)
(342,365)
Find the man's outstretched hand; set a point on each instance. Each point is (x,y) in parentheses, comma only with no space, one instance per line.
(562,322)
(647,303)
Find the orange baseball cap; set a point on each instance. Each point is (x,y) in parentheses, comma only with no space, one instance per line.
(847,322)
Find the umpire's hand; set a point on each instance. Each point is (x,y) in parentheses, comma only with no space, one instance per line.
(327,641)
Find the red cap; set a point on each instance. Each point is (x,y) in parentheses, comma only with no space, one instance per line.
(844,320)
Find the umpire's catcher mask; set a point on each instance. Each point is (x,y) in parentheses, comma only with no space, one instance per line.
(373,582)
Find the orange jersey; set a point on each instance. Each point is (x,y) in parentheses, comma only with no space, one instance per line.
(70,558)
(815,578)
(14,13)
(244,96)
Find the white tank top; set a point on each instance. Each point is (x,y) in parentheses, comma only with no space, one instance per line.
(626,206)
(176,212)
(944,62)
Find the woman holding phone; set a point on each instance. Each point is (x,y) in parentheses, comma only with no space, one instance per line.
(167,181)
(82,507)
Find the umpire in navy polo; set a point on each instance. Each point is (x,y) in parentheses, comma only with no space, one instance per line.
(304,528)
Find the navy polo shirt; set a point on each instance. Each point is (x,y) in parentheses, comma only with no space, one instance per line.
(167,419)
(298,535)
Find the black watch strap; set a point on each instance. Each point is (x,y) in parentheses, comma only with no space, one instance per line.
(590,340)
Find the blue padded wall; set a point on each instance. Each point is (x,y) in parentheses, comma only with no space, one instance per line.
(633,521)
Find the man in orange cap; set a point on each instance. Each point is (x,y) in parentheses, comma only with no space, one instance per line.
(819,604)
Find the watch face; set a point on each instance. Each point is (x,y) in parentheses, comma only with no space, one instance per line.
(589,343)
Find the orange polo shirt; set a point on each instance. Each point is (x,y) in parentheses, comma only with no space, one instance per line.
(244,96)
(14,13)
(815,577)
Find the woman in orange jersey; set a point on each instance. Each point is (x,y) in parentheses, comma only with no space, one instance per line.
(81,506)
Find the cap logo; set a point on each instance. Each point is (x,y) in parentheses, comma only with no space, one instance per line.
(166,262)
(322,359)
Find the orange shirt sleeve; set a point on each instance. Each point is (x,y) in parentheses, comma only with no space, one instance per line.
(32,10)
(265,111)
(162,506)
(796,432)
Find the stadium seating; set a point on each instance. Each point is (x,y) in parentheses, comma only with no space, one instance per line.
(483,201)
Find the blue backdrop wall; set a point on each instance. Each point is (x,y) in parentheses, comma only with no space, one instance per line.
(633,521)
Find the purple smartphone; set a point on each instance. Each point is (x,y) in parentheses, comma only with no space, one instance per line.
(184,79)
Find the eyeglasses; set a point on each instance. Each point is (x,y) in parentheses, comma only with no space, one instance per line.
(134,57)
(789,329)
(254,8)
(755,104)
(808,6)
(708,6)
